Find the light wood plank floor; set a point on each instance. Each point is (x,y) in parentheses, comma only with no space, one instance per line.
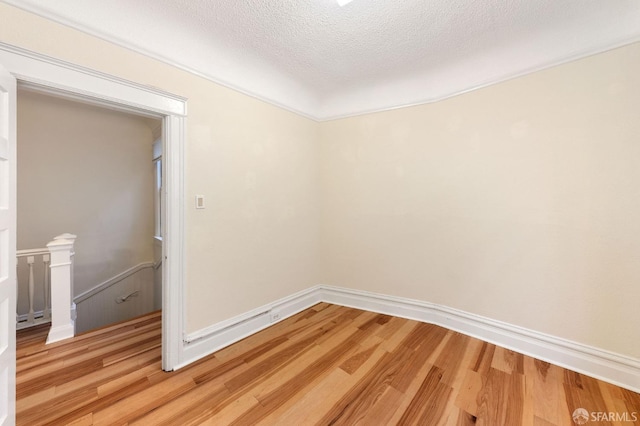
(327,365)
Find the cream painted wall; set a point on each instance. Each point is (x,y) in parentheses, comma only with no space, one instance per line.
(519,202)
(257,240)
(88,171)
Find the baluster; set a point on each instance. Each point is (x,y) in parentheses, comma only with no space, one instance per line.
(30,317)
(46,284)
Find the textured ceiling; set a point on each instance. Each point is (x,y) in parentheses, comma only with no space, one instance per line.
(325,61)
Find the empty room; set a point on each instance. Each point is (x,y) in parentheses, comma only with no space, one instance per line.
(366,212)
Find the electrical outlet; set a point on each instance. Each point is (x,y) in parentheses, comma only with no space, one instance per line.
(274,315)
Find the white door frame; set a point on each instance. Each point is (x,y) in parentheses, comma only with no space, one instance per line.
(8,94)
(61,78)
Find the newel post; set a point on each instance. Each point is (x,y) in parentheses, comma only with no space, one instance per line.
(62,313)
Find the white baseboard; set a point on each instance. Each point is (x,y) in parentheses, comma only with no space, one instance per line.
(61,332)
(608,366)
(208,340)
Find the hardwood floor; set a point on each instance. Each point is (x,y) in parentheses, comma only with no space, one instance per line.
(327,365)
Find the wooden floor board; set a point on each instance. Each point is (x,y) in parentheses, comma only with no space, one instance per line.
(326,365)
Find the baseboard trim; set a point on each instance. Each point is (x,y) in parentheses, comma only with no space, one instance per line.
(203,342)
(604,365)
(61,332)
(600,364)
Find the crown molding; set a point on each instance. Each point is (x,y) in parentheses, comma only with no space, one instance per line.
(333,106)
(156,56)
(355,112)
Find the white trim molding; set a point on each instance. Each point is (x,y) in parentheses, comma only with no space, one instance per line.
(608,366)
(601,364)
(203,342)
(345,103)
(60,78)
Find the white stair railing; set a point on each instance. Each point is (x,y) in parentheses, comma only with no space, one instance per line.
(29,258)
(57,286)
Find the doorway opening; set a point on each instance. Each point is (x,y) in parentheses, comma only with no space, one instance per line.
(63,79)
(94,172)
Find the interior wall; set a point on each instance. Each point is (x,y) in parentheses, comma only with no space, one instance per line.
(518,202)
(257,239)
(87,171)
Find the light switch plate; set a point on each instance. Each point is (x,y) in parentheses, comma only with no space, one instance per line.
(199,201)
